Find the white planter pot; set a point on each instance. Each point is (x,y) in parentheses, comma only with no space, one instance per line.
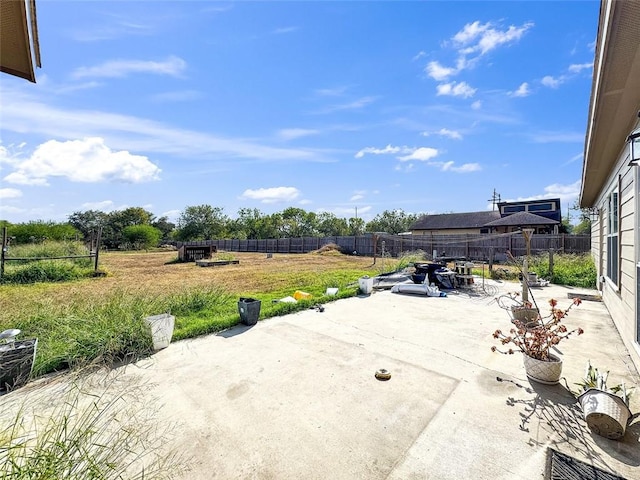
(606,414)
(365,284)
(543,371)
(161,329)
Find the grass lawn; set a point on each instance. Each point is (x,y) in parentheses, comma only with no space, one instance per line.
(101,319)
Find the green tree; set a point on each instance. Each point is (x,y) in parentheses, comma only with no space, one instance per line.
(296,222)
(88,221)
(202,222)
(118,220)
(329,225)
(141,237)
(392,221)
(356,226)
(248,224)
(39,231)
(165,226)
(584,225)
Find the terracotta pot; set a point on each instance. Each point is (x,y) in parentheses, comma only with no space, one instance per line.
(543,371)
(606,414)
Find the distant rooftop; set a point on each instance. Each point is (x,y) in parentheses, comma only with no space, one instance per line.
(447,221)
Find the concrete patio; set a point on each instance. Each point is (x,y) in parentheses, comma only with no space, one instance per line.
(295,397)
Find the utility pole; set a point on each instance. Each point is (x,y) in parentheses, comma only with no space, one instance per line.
(495,199)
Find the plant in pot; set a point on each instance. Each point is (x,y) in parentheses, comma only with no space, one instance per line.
(16,359)
(606,409)
(518,309)
(535,340)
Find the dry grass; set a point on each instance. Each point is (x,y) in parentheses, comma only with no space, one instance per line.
(153,274)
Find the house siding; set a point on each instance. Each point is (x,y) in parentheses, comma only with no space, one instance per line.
(620,300)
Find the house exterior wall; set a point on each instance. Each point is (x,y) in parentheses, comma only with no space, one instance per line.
(619,299)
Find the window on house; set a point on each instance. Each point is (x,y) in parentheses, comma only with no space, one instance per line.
(484,230)
(513,208)
(613,263)
(541,207)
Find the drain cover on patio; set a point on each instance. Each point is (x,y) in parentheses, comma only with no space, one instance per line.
(564,467)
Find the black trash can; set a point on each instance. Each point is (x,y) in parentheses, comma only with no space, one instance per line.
(249,310)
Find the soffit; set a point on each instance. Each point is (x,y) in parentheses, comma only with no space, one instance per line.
(615,96)
(15,45)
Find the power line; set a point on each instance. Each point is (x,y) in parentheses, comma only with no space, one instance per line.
(495,199)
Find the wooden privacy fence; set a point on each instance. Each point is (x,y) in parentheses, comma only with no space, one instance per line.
(472,247)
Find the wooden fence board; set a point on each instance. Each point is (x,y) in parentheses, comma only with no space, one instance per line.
(472,247)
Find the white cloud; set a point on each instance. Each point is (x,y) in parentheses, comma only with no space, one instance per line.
(88,160)
(293,133)
(331,92)
(464,168)
(462,89)
(421,154)
(172,215)
(439,72)
(21,112)
(577,68)
(522,91)
(10,193)
(103,206)
(477,105)
(445,132)
(472,42)
(172,66)
(552,82)
(567,193)
(356,197)
(382,151)
(482,38)
(272,195)
(575,158)
(419,55)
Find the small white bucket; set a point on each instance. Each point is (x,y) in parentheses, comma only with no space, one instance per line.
(161,329)
(365,284)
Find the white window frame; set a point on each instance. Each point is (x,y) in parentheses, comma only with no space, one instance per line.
(613,237)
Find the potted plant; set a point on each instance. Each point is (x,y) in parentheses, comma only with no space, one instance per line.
(535,339)
(519,310)
(16,359)
(605,408)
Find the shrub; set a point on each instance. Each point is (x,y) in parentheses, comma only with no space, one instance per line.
(141,237)
(568,269)
(45,271)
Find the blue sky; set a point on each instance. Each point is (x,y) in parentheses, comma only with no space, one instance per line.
(327,106)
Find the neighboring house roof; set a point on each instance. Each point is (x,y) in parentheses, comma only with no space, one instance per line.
(19,45)
(615,94)
(521,219)
(455,220)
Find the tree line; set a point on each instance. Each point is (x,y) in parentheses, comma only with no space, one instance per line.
(136,227)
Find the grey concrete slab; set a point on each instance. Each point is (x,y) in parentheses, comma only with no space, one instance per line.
(296,397)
